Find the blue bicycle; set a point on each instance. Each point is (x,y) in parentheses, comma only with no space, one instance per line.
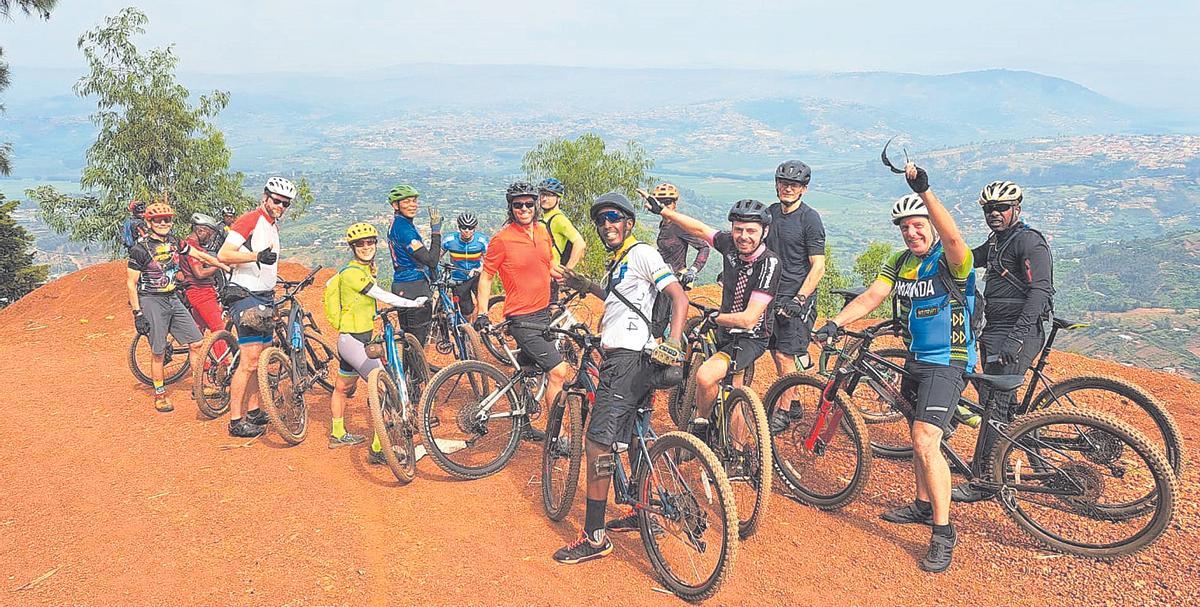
(450,331)
(391,391)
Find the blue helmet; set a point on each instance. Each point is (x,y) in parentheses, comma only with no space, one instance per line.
(553,186)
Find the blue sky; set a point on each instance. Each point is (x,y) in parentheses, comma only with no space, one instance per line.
(1138,52)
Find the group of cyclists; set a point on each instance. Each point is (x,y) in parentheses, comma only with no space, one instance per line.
(773,257)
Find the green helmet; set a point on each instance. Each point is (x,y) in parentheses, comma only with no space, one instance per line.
(401,192)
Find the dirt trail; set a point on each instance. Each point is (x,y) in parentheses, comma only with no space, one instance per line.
(127,506)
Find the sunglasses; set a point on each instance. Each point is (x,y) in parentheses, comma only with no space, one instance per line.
(161,220)
(997,207)
(283,202)
(365,242)
(522,205)
(609,217)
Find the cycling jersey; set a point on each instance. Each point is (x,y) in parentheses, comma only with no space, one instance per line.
(1019,283)
(795,237)
(158,260)
(673,243)
(938,328)
(522,259)
(408,268)
(562,231)
(465,256)
(358,308)
(255,231)
(187,268)
(753,277)
(639,274)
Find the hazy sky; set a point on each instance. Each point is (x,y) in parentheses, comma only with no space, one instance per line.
(1138,52)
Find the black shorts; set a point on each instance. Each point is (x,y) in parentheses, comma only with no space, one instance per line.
(934,391)
(536,348)
(791,336)
(624,385)
(249,335)
(741,351)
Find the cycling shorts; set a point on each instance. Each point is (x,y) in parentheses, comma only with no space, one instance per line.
(167,314)
(536,348)
(933,390)
(352,355)
(624,385)
(741,351)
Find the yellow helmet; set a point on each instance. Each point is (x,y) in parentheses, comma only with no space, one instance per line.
(360,231)
(665,190)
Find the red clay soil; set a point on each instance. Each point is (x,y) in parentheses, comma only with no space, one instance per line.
(106,502)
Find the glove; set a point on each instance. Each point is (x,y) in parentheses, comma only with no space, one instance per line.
(579,282)
(651,203)
(688,277)
(920,182)
(826,333)
(435,220)
(482,322)
(793,308)
(1009,351)
(141,323)
(669,353)
(267,256)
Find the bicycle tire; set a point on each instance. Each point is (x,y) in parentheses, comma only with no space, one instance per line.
(681,398)
(321,359)
(890,437)
(492,341)
(394,424)
(429,420)
(801,478)
(557,501)
(287,414)
(1170,438)
(170,375)
(216,372)
(1165,483)
(472,342)
(669,448)
(759,473)
(416,367)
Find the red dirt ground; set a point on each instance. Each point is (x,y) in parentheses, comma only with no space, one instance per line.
(124,506)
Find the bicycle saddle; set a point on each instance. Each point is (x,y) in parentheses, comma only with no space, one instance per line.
(1004,383)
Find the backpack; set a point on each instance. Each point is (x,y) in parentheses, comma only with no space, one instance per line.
(995,268)
(332,298)
(976,320)
(564,253)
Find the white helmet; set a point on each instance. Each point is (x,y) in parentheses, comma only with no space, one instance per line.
(1000,191)
(909,206)
(281,187)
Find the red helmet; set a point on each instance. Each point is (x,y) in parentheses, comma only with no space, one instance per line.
(137,207)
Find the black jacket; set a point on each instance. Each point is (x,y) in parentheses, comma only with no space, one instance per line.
(1020,280)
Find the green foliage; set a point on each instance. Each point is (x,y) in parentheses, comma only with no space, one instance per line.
(588,169)
(829,304)
(867,267)
(40,8)
(152,142)
(18,274)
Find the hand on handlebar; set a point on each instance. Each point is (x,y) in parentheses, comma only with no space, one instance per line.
(482,322)
(826,334)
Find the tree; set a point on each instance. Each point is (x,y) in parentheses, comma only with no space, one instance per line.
(40,8)
(588,170)
(18,274)
(867,267)
(152,141)
(829,304)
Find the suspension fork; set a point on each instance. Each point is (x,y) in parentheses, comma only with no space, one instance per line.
(828,416)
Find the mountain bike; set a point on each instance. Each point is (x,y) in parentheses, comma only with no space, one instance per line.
(699,346)
(737,430)
(1079,481)
(565,313)
(450,332)
(391,392)
(299,359)
(176,358)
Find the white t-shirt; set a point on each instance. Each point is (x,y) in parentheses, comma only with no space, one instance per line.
(260,229)
(639,277)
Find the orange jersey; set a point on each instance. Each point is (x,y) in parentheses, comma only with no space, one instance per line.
(522,259)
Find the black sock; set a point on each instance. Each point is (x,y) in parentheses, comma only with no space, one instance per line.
(946,530)
(593,520)
(923,505)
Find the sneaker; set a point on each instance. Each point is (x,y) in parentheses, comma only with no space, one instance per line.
(781,420)
(583,550)
(629,522)
(347,440)
(699,428)
(162,404)
(257,417)
(244,429)
(531,434)
(376,458)
(941,551)
(966,493)
(907,515)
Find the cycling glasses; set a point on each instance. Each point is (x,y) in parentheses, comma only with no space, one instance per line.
(283,202)
(364,242)
(522,205)
(167,219)
(999,207)
(609,217)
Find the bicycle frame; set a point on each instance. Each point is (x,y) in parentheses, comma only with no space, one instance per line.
(395,364)
(449,312)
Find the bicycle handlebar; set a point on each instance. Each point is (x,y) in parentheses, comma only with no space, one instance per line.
(299,285)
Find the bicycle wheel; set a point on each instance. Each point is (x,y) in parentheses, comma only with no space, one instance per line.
(1125,402)
(416,367)
(745,453)
(494,341)
(282,400)
(890,435)
(321,359)
(681,398)
(176,360)
(835,469)
(689,524)
(472,342)
(1067,473)
(562,454)
(471,429)
(395,424)
(210,381)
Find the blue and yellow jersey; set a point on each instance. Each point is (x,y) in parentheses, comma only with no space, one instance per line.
(465,256)
(938,326)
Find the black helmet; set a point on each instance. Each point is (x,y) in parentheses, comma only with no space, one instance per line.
(750,210)
(613,200)
(794,170)
(666,377)
(467,221)
(520,188)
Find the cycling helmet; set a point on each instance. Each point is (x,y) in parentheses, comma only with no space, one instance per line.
(467,221)
(750,210)
(401,192)
(227,210)
(665,191)
(360,231)
(208,221)
(553,186)
(1000,191)
(159,209)
(909,206)
(520,188)
(612,200)
(794,170)
(281,187)
(137,207)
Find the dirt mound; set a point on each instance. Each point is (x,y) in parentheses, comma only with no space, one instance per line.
(106,502)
